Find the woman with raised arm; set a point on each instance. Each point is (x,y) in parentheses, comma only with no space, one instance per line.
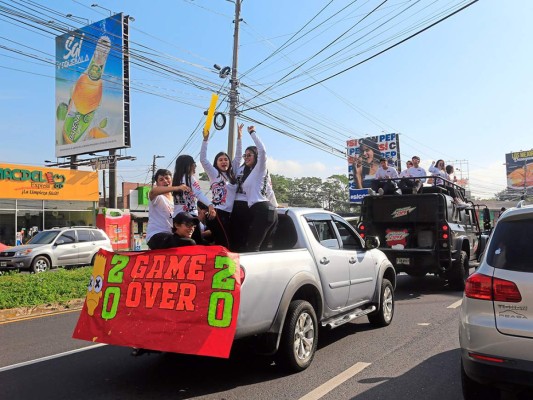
(254,215)
(223,188)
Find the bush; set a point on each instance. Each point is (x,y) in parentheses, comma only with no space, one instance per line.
(58,286)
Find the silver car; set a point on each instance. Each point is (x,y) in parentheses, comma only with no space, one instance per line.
(496,327)
(56,247)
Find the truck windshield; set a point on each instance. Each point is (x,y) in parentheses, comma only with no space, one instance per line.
(45,237)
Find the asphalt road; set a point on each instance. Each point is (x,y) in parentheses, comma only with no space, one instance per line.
(416,357)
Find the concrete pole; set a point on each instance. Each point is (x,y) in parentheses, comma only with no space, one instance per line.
(233,97)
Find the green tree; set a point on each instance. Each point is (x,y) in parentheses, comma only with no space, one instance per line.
(281,186)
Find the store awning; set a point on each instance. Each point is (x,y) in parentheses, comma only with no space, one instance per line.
(139,214)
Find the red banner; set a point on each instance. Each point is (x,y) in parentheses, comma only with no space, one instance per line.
(181,300)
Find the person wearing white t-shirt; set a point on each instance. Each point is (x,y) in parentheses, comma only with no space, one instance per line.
(160,210)
(416,178)
(382,183)
(254,215)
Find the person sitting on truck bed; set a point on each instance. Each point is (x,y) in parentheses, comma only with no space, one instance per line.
(405,172)
(184,226)
(414,182)
(456,194)
(438,170)
(382,183)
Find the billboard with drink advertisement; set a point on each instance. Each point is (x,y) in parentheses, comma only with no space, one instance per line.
(363,161)
(519,170)
(91,85)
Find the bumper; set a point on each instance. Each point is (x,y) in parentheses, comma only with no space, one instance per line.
(511,372)
(15,263)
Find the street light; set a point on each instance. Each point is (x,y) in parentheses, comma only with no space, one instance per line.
(96,5)
(75,16)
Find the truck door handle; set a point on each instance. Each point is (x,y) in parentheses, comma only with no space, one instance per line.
(352,260)
(324,261)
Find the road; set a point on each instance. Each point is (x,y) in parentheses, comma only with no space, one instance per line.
(416,357)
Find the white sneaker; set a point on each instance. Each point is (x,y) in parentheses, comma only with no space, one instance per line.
(380,191)
(371,192)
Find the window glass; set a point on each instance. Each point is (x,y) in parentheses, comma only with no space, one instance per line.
(67,237)
(84,235)
(349,240)
(324,233)
(30,204)
(7,204)
(510,247)
(98,235)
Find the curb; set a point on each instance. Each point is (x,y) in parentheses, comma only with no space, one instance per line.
(14,314)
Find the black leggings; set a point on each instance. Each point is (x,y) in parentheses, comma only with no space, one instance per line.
(263,221)
(160,240)
(239,222)
(220,228)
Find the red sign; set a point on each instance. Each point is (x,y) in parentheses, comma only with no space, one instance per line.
(180,300)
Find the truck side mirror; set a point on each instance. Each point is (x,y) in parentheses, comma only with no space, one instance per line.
(486,214)
(371,242)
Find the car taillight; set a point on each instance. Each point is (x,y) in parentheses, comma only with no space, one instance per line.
(362,231)
(445,234)
(484,287)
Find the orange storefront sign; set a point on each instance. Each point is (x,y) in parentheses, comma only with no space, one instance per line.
(37,183)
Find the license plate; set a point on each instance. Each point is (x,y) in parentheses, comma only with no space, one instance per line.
(403,261)
(3,263)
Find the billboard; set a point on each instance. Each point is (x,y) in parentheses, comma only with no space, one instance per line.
(37,183)
(363,161)
(519,170)
(92,83)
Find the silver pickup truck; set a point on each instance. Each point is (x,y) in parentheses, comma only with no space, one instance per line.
(315,271)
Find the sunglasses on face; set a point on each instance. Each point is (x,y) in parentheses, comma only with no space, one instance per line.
(188,224)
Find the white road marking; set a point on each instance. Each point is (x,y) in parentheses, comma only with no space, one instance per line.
(424,323)
(327,387)
(38,360)
(456,304)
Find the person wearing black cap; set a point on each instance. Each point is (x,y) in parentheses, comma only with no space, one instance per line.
(382,183)
(184,225)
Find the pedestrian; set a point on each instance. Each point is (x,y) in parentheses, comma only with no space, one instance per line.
(254,215)
(161,210)
(223,188)
(185,201)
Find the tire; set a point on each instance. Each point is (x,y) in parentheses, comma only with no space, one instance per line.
(473,390)
(385,312)
(460,271)
(299,337)
(40,264)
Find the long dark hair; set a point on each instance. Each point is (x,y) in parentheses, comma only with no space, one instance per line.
(183,168)
(229,173)
(248,169)
(372,145)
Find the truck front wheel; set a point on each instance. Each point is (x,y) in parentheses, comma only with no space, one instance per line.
(299,337)
(383,315)
(459,272)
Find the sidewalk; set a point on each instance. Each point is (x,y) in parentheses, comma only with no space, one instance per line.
(14,314)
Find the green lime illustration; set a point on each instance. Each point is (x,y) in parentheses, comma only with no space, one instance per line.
(61,112)
(103,123)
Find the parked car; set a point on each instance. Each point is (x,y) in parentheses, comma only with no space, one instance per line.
(496,320)
(55,247)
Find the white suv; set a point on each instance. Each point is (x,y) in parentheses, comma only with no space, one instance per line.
(496,327)
(54,247)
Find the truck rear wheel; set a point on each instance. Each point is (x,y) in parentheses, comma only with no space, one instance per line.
(460,271)
(383,315)
(299,337)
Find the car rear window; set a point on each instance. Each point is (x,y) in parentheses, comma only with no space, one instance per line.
(510,247)
(98,235)
(84,235)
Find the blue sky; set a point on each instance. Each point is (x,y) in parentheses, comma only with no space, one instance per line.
(460,91)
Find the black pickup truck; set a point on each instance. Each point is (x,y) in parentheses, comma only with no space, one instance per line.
(425,232)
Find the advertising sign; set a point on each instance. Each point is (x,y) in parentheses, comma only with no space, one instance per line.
(37,183)
(91,114)
(363,161)
(180,300)
(519,170)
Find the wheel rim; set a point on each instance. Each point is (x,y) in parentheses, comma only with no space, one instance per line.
(388,307)
(40,266)
(304,336)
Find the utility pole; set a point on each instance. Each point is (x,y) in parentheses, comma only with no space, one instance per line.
(233,94)
(153,166)
(112,179)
